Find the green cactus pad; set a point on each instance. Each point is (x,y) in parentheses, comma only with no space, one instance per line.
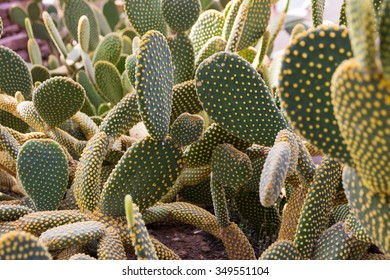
(122,117)
(83,33)
(140,238)
(9,213)
(208,25)
(110,11)
(315,55)
(145,16)
(130,65)
(255,25)
(8,143)
(18,15)
(43,171)
(10,121)
(108,81)
(318,7)
(362,31)
(281,250)
(154,83)
(15,74)
(257,164)
(362,105)
(87,179)
(200,153)
(183,57)
(75,9)
(147,170)
(213,45)
(317,207)
(34,10)
(180,15)
(185,100)
(187,129)
(336,244)
(38,222)
(109,49)
(234,113)
(110,246)
(274,173)
(231,167)
(20,245)
(57,99)
(79,233)
(39,73)
(198,194)
(339,214)
(371,209)
(195,175)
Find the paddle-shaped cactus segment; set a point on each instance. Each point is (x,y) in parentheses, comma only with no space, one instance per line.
(274,173)
(43,171)
(193,176)
(385,39)
(109,49)
(208,25)
(231,167)
(162,251)
(317,207)
(185,100)
(337,244)
(315,55)
(362,108)
(15,75)
(154,84)
(54,34)
(9,144)
(199,153)
(58,99)
(9,213)
(187,129)
(79,233)
(83,33)
(219,202)
(362,29)
(87,182)
(39,73)
(73,11)
(111,13)
(110,246)
(147,170)
(318,7)
(38,222)
(108,81)
(339,214)
(247,102)
(183,57)
(180,15)
(238,26)
(371,209)
(145,16)
(213,45)
(281,250)
(197,194)
(236,243)
(255,25)
(20,245)
(122,117)
(140,238)
(130,65)
(33,49)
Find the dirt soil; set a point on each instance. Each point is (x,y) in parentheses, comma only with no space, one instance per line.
(188,242)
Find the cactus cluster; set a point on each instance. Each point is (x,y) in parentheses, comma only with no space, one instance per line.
(177,111)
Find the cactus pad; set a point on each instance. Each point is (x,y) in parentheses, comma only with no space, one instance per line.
(281,250)
(185,100)
(57,99)
(315,55)
(187,129)
(9,213)
(180,15)
(108,81)
(43,171)
(183,58)
(154,83)
(147,170)
(245,97)
(109,49)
